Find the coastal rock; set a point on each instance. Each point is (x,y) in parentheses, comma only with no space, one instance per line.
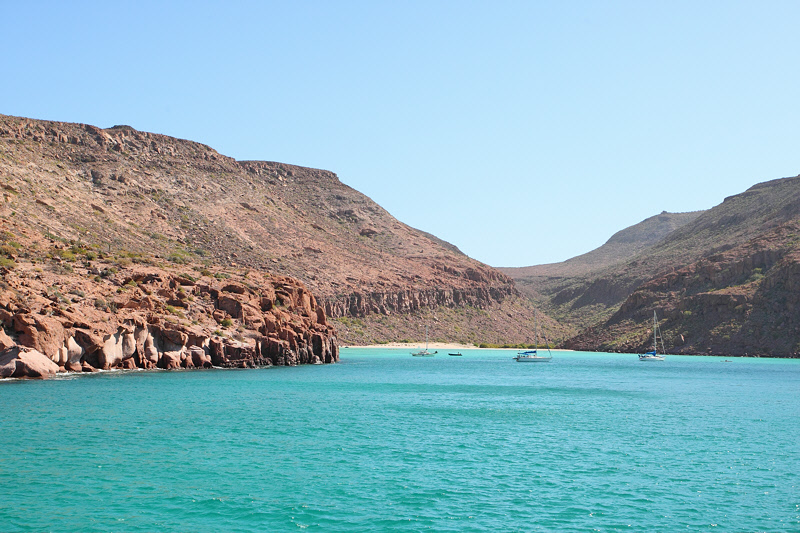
(200,359)
(5,340)
(44,334)
(24,362)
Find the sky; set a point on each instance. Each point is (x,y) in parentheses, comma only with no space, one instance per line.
(523,132)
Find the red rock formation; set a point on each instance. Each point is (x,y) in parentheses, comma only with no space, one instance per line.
(275,327)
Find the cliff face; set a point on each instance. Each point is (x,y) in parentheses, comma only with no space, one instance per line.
(723,282)
(181,202)
(69,307)
(744,301)
(586,289)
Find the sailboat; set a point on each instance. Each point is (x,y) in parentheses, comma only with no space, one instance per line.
(653,354)
(532,356)
(425,352)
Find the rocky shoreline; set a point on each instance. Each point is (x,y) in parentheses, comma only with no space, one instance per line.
(149,317)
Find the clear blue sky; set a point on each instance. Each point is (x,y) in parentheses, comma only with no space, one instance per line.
(522,132)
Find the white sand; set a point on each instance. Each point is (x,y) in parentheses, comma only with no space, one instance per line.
(418,346)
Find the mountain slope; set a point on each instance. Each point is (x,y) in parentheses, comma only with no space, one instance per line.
(134,192)
(724,282)
(622,245)
(571,290)
(743,301)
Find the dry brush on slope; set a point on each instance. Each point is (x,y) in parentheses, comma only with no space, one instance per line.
(66,307)
(134,192)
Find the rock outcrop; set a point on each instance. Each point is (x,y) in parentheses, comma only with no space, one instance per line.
(21,362)
(743,301)
(133,192)
(149,317)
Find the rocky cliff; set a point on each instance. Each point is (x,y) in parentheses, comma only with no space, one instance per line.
(585,289)
(723,282)
(71,307)
(743,301)
(180,202)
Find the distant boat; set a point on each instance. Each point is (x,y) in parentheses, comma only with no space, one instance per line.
(457,354)
(425,352)
(532,356)
(653,355)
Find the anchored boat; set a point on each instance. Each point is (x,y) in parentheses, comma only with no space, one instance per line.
(425,352)
(653,354)
(532,356)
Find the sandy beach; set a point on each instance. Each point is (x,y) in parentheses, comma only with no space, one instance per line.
(419,346)
(451,346)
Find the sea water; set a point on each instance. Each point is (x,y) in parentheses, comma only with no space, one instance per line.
(384,441)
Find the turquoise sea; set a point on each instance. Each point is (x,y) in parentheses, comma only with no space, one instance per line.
(387,442)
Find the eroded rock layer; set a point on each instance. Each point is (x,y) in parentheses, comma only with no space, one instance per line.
(84,318)
(131,191)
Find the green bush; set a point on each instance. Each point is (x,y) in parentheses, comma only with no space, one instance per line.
(226,322)
(177,258)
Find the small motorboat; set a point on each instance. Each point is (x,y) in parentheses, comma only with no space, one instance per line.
(457,354)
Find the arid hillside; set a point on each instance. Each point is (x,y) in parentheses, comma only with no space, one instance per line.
(567,290)
(139,194)
(723,281)
(742,301)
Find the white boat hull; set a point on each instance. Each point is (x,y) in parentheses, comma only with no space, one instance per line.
(651,358)
(523,359)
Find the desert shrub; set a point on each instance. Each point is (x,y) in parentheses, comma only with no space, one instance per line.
(177,258)
(226,322)
(8,250)
(175,311)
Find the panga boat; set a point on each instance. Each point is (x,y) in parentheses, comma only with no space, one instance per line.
(458,354)
(425,352)
(532,356)
(653,355)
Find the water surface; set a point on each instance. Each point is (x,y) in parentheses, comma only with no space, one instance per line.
(387,442)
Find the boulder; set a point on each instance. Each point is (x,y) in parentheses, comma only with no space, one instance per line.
(170,360)
(74,351)
(321,317)
(128,345)
(231,305)
(200,358)
(24,362)
(111,352)
(5,340)
(42,333)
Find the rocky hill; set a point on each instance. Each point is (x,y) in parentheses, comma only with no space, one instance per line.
(72,306)
(564,289)
(722,282)
(743,301)
(137,194)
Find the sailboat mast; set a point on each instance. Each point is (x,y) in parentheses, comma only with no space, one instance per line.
(655,326)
